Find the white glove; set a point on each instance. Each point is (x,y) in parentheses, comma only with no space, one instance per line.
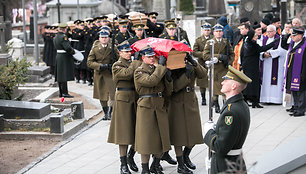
(208,125)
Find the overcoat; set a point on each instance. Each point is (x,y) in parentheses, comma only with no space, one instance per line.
(104,86)
(122,127)
(152,122)
(230,134)
(64,70)
(219,68)
(198,49)
(184,114)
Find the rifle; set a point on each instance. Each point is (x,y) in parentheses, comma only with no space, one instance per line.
(144,32)
(177,27)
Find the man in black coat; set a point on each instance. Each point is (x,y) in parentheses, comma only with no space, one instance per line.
(226,138)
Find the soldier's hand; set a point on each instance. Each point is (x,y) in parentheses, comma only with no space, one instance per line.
(191,60)
(188,70)
(224,59)
(136,55)
(103,67)
(109,67)
(168,75)
(208,125)
(162,60)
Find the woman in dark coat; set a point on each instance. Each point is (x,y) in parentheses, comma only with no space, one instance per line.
(250,66)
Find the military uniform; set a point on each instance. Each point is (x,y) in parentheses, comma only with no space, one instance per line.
(225,141)
(90,35)
(49,52)
(120,37)
(135,39)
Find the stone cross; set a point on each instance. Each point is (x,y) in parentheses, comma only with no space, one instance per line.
(2,35)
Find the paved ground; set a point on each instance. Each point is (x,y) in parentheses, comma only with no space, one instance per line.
(90,153)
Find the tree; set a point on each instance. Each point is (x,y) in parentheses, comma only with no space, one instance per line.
(187,6)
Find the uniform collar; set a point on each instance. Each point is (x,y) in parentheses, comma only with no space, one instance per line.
(233,99)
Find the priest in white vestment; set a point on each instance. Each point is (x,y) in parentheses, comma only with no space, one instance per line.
(272,69)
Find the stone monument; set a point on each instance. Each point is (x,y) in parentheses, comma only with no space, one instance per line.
(4,57)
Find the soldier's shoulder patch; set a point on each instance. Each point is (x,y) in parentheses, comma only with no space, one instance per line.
(139,72)
(229,106)
(228,120)
(117,67)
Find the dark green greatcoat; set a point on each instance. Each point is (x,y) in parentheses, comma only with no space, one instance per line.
(104,86)
(230,133)
(64,65)
(219,68)
(122,127)
(152,123)
(184,114)
(198,49)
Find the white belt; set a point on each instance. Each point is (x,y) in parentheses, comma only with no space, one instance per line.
(82,51)
(235,152)
(60,51)
(73,40)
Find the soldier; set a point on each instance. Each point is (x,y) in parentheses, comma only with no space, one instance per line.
(90,34)
(181,31)
(155,29)
(198,49)
(101,61)
(104,21)
(122,127)
(49,52)
(226,138)
(184,114)
(171,32)
(64,61)
(139,30)
(224,60)
(122,35)
(152,124)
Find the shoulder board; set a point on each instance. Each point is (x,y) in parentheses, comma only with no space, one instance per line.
(229,106)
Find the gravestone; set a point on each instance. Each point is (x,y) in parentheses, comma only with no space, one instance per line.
(39,74)
(57,123)
(17,48)
(23,110)
(77,108)
(4,57)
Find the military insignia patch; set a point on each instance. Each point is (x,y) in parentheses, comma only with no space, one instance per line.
(139,72)
(117,67)
(228,120)
(65,38)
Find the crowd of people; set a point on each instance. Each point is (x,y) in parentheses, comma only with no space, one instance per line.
(152,107)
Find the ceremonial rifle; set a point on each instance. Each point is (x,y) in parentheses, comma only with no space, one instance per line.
(177,27)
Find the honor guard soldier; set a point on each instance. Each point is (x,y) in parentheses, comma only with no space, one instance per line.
(96,27)
(104,21)
(122,127)
(225,57)
(64,61)
(152,124)
(181,31)
(155,29)
(198,49)
(90,34)
(123,34)
(139,33)
(171,32)
(100,59)
(49,53)
(226,138)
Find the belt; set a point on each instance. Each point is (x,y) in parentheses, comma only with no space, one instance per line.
(60,51)
(125,89)
(73,40)
(159,94)
(83,51)
(234,152)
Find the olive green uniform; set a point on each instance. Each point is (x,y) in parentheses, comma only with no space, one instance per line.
(104,86)
(198,49)
(230,134)
(64,65)
(152,123)
(219,68)
(122,127)
(184,114)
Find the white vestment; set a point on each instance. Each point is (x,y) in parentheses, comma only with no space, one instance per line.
(272,93)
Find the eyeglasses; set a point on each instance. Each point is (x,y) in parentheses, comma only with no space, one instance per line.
(270,31)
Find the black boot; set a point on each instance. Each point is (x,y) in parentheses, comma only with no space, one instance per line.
(155,166)
(186,158)
(60,89)
(123,167)
(256,105)
(105,110)
(181,168)
(217,107)
(203,99)
(167,157)
(292,109)
(145,168)
(110,110)
(130,160)
(65,90)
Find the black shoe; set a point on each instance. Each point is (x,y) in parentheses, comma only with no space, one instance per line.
(203,102)
(84,81)
(155,166)
(187,160)
(77,81)
(145,168)
(291,109)
(181,168)
(298,114)
(67,96)
(90,84)
(105,110)
(123,167)
(130,160)
(167,157)
(109,115)
(256,105)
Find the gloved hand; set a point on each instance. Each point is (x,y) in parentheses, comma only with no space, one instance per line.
(209,125)
(136,55)
(224,59)
(191,60)
(162,60)
(103,67)
(168,75)
(188,70)
(109,67)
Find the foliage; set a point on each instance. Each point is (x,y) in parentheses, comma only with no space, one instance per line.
(187,6)
(11,76)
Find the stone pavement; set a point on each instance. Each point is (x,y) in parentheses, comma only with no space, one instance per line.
(88,152)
